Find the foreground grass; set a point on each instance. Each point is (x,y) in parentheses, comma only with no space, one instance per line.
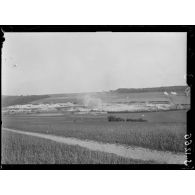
(159,136)
(23,149)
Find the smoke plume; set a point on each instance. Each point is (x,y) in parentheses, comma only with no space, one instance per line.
(92,102)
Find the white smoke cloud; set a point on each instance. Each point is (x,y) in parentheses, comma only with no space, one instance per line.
(92,102)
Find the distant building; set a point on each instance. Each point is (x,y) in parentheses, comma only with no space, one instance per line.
(165,93)
(173,93)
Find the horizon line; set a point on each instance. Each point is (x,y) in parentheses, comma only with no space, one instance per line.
(97,91)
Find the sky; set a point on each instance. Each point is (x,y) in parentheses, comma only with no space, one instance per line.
(49,63)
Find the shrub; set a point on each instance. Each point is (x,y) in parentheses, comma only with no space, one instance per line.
(113,118)
(136,120)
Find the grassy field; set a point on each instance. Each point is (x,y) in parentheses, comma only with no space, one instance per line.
(23,149)
(163,130)
(123,95)
(109,97)
(154,135)
(179,116)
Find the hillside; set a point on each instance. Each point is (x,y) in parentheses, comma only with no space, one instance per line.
(152,89)
(14,100)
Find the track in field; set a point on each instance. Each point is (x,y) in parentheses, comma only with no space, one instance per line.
(138,153)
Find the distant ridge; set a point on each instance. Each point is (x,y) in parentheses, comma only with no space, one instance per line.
(151,89)
(14,100)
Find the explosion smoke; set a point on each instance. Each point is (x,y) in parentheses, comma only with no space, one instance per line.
(92,102)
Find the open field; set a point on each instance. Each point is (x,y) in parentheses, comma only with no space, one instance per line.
(179,116)
(23,149)
(165,136)
(101,102)
(114,97)
(151,120)
(137,153)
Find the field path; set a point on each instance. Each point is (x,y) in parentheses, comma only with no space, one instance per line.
(138,153)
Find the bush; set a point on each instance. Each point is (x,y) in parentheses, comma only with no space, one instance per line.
(113,118)
(136,120)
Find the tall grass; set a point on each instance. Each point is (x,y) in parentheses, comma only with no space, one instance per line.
(159,136)
(23,149)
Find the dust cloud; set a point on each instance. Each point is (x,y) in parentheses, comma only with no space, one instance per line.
(92,102)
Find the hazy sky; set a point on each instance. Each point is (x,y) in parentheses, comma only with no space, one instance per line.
(46,63)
